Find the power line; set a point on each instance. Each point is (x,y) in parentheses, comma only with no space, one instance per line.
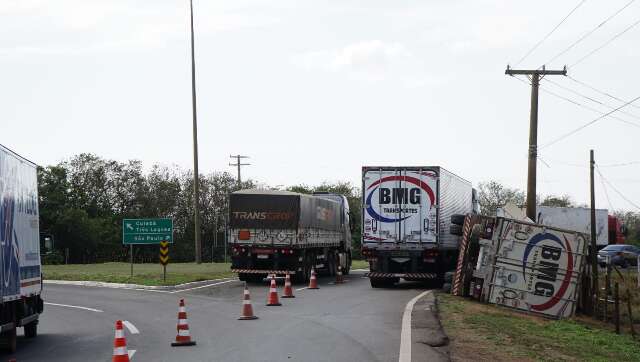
(606,193)
(590,98)
(549,34)
(618,192)
(600,91)
(621,164)
(590,32)
(606,43)
(588,124)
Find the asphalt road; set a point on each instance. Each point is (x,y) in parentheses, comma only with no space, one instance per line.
(348,322)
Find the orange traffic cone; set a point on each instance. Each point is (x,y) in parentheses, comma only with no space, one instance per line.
(247,309)
(120,353)
(339,278)
(288,292)
(313,282)
(273,294)
(183,338)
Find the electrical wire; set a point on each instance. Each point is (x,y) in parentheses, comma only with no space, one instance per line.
(551,32)
(618,192)
(590,32)
(606,43)
(590,98)
(600,91)
(604,188)
(588,124)
(621,164)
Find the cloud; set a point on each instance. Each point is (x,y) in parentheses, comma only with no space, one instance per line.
(370,61)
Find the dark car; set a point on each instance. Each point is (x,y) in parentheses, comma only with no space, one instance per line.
(620,254)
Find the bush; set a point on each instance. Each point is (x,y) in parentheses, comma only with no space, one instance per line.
(53,258)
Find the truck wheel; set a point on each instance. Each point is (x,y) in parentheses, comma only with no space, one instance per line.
(376,283)
(12,340)
(457,219)
(31,329)
(455,230)
(243,277)
(347,268)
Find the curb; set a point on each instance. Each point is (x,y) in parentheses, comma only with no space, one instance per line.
(158,288)
(428,337)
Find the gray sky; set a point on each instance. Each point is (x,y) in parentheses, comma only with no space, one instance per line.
(313,90)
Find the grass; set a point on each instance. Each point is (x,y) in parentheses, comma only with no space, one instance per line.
(145,274)
(486,332)
(359,264)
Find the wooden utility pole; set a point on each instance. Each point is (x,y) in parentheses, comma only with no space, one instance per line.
(593,250)
(536,75)
(239,164)
(196,181)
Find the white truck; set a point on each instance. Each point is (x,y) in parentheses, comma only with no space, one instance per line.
(20,272)
(406,219)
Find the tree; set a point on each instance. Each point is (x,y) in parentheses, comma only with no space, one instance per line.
(558,201)
(493,195)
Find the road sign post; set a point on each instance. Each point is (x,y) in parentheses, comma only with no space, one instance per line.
(146,232)
(164,258)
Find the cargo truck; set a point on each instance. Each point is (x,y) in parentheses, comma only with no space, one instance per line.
(20,273)
(279,232)
(406,214)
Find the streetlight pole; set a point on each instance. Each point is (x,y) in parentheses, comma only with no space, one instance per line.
(196,181)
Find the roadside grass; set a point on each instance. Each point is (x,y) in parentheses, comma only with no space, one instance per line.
(144,274)
(487,332)
(359,264)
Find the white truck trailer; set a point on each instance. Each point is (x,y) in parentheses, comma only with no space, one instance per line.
(20,273)
(406,219)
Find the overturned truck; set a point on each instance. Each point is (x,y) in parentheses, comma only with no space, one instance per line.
(520,265)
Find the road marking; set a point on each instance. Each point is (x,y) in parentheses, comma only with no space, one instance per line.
(131,327)
(203,286)
(299,289)
(74,306)
(405,335)
(360,270)
(131,353)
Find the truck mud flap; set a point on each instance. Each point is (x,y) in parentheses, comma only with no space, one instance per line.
(402,275)
(26,320)
(257,271)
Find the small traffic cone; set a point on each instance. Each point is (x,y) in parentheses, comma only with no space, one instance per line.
(183,338)
(247,309)
(120,353)
(339,278)
(273,294)
(288,292)
(313,282)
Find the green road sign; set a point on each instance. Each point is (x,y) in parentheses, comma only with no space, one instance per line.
(147,231)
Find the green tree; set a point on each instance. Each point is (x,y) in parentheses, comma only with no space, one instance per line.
(493,195)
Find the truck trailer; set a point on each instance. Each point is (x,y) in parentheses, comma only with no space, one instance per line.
(280,232)
(406,214)
(20,273)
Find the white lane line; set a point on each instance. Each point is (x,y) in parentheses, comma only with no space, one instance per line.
(131,353)
(74,306)
(203,286)
(131,327)
(405,335)
(360,270)
(299,289)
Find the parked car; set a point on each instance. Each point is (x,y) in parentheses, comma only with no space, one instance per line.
(620,254)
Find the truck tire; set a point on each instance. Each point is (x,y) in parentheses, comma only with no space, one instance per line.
(448,276)
(12,340)
(347,268)
(457,219)
(455,230)
(376,283)
(31,329)
(446,287)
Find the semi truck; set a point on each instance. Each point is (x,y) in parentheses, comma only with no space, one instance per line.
(20,273)
(280,232)
(406,214)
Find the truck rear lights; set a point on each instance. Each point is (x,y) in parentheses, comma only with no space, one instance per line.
(430,256)
(244,235)
(286,251)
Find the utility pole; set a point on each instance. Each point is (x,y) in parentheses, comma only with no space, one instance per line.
(536,75)
(239,164)
(592,250)
(196,181)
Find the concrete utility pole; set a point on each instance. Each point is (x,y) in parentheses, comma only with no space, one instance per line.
(593,251)
(239,164)
(196,181)
(533,131)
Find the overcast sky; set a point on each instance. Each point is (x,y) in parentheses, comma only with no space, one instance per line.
(313,90)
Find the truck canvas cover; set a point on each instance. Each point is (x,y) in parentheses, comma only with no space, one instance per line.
(265,209)
(537,268)
(19,229)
